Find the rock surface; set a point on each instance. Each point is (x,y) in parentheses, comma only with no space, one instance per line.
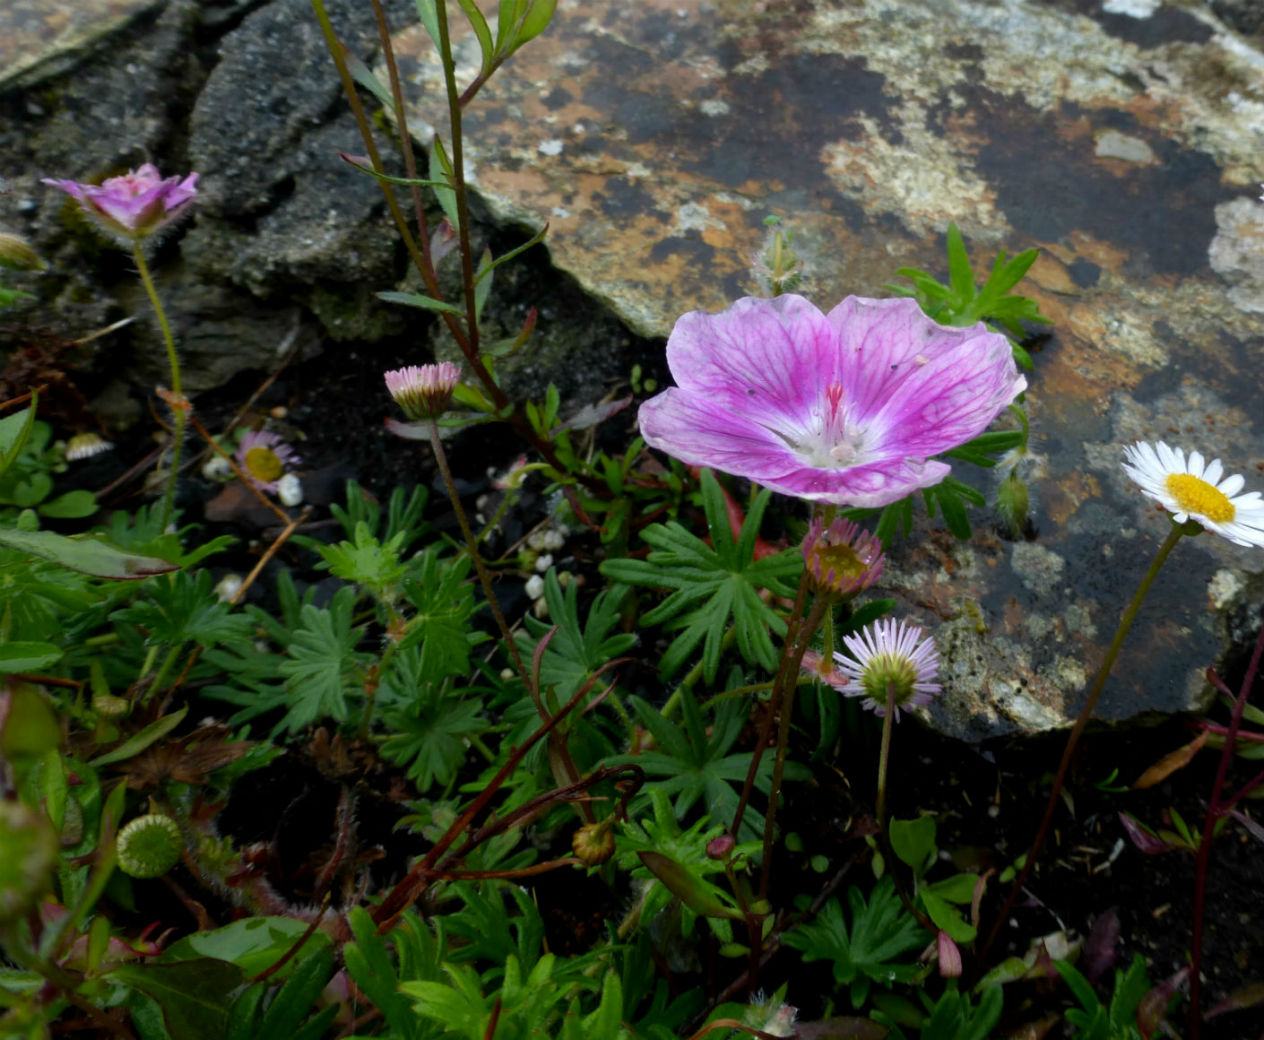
(1124,139)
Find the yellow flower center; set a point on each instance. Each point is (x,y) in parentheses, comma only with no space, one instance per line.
(1200,498)
(263,464)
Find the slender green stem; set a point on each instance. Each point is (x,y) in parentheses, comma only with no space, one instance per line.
(173,363)
(1086,712)
(458,174)
(884,758)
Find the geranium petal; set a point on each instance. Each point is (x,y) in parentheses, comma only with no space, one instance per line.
(689,426)
(779,354)
(950,399)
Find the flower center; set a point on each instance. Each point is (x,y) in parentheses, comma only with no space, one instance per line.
(882,670)
(1197,496)
(842,560)
(839,443)
(263,464)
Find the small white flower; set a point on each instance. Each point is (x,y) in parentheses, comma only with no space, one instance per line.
(217,468)
(228,587)
(535,587)
(554,540)
(1197,490)
(85,445)
(543,563)
(290,490)
(888,653)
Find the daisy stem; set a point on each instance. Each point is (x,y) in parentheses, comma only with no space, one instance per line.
(557,747)
(884,757)
(173,361)
(1073,739)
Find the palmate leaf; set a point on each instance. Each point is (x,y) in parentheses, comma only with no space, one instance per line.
(714,585)
(694,761)
(880,931)
(180,607)
(430,725)
(444,602)
(321,669)
(576,651)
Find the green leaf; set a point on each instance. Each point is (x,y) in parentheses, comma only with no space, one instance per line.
(155,731)
(15,430)
(576,651)
(320,669)
(27,656)
(485,270)
(699,898)
(960,274)
(428,13)
(88,555)
(946,917)
(914,842)
(407,182)
(484,34)
(73,505)
(483,283)
(535,22)
(427,303)
(191,994)
(253,943)
(714,585)
(363,75)
(880,931)
(441,170)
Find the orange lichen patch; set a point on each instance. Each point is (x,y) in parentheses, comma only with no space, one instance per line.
(1107,255)
(1050,274)
(1061,498)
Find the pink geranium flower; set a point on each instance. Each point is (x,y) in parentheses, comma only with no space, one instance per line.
(135,204)
(845,408)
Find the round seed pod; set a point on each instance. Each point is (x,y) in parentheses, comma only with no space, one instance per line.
(149,846)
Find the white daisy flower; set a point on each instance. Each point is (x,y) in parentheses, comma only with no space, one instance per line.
(1194,490)
(888,653)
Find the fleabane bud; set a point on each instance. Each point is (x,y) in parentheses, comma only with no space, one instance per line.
(1012,504)
(423,391)
(593,843)
(841,560)
(17,254)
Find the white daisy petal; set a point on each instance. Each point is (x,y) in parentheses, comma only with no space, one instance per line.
(1193,490)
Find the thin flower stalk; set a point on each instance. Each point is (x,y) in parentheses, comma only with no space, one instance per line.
(1081,721)
(419,255)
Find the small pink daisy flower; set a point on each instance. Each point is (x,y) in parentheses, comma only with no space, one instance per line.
(884,654)
(423,391)
(841,560)
(133,205)
(265,458)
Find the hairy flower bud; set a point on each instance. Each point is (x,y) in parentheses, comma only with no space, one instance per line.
(593,843)
(17,254)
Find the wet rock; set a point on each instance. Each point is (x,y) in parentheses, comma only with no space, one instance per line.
(1125,139)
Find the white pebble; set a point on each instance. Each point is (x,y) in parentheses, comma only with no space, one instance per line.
(290,490)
